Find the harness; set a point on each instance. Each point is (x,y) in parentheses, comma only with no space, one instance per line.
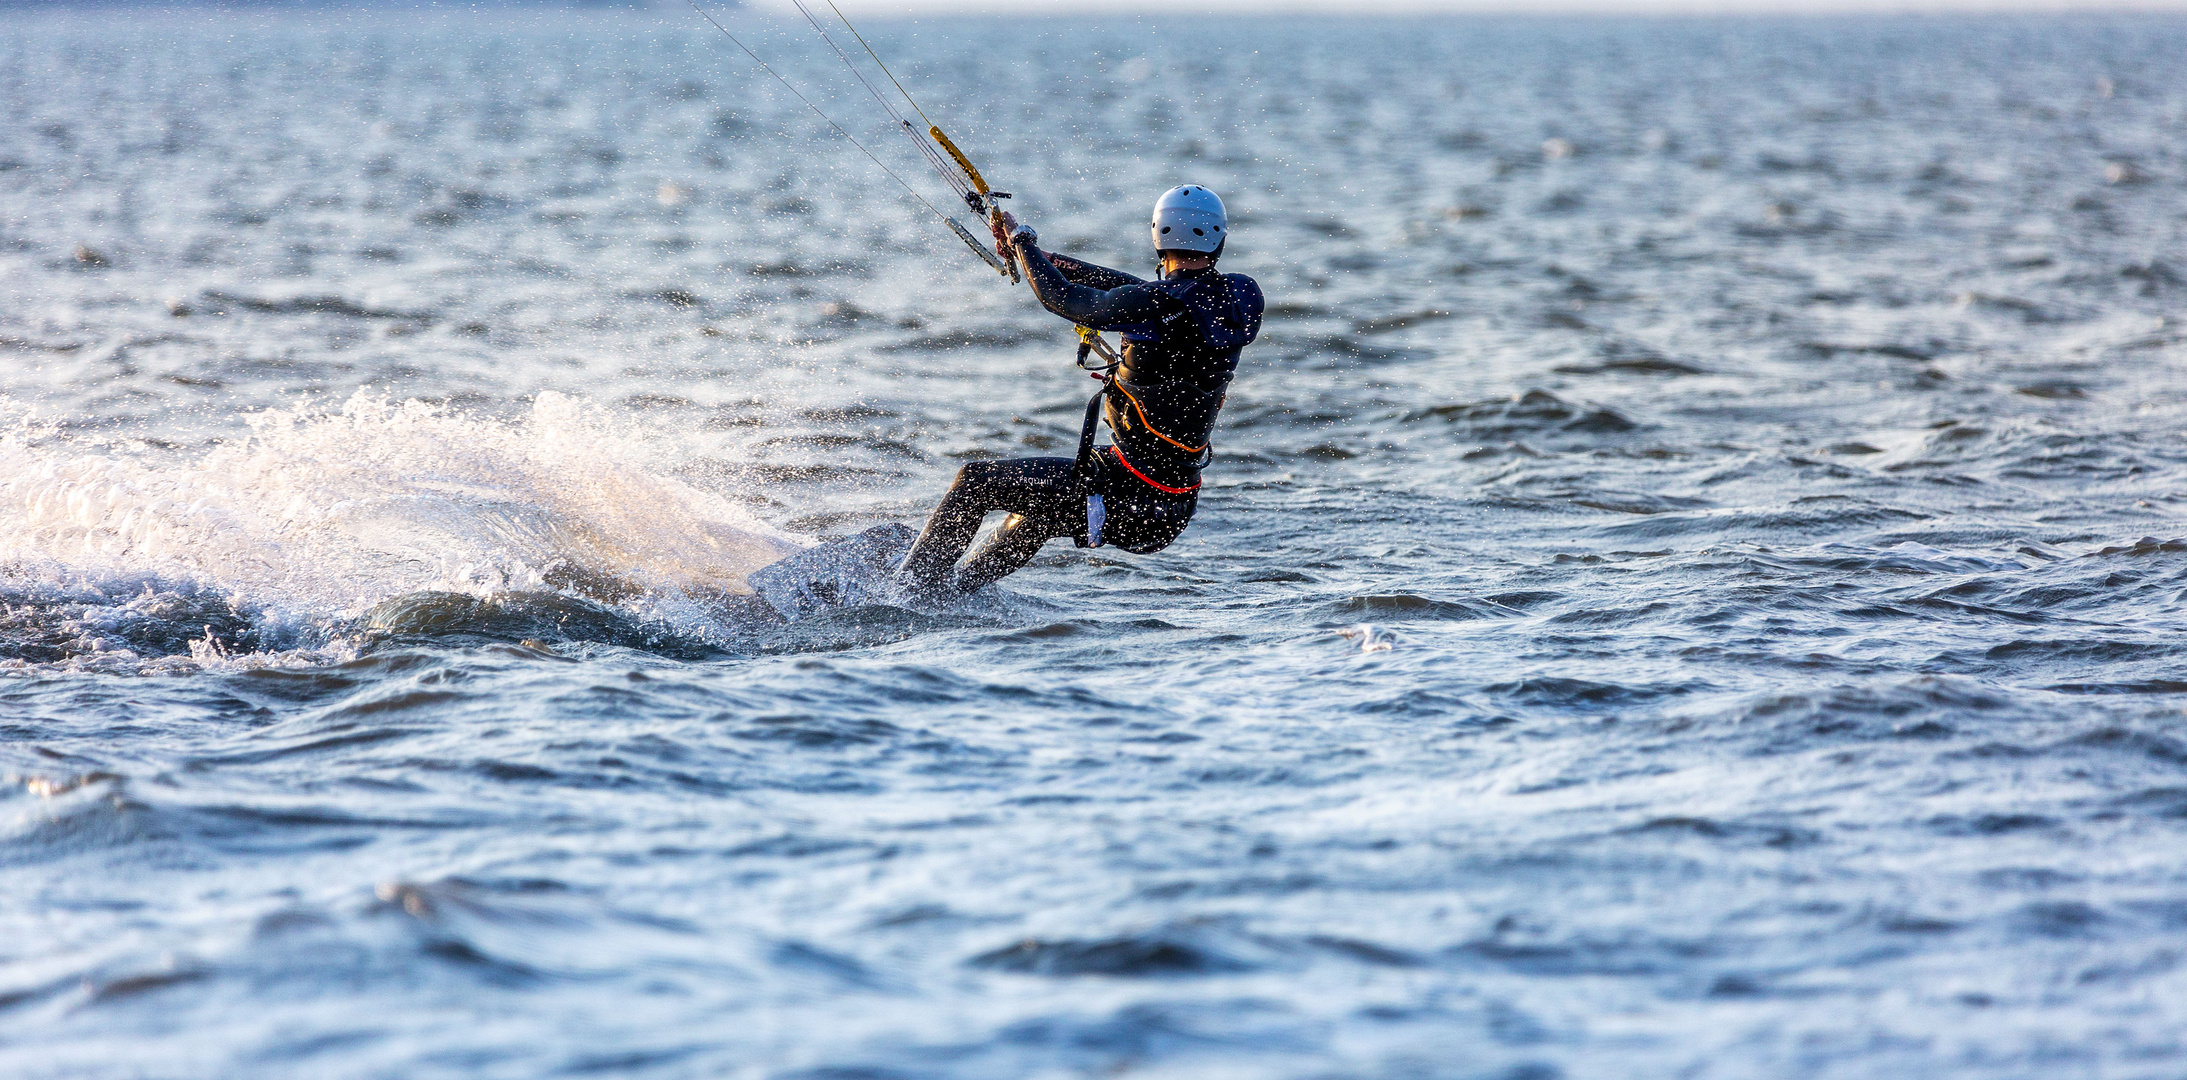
(1226,311)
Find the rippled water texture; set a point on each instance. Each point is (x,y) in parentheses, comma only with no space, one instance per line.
(1692,583)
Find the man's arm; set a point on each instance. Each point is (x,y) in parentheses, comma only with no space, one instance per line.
(1075,271)
(1081,272)
(1084,304)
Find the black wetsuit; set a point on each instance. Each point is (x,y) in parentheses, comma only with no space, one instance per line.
(1182,336)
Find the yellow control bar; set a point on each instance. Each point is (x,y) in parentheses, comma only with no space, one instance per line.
(963,162)
(979,184)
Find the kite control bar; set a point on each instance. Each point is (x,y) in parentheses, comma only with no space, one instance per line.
(981,198)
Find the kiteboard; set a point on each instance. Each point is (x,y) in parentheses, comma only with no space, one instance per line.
(854,571)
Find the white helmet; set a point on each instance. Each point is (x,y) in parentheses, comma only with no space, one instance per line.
(1189,218)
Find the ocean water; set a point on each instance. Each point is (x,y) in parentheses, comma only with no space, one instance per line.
(1692,583)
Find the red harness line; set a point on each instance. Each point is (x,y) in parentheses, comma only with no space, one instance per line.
(1119,451)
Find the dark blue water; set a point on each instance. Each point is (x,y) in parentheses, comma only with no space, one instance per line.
(1692,582)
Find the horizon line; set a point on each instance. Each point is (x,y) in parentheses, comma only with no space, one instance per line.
(1520,9)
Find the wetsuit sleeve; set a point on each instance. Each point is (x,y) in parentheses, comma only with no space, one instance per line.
(1086,305)
(1081,272)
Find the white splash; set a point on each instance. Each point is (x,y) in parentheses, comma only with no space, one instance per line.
(318,515)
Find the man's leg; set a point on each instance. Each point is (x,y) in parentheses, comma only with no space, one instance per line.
(1043,502)
(1012,546)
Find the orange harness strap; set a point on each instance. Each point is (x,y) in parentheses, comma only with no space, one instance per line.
(1136,407)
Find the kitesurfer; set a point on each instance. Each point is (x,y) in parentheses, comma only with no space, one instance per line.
(1182,335)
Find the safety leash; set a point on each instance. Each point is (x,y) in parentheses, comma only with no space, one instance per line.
(1085,470)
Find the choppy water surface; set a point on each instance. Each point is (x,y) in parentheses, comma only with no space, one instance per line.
(1691,586)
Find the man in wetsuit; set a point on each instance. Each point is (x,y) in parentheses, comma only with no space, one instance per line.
(1182,335)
